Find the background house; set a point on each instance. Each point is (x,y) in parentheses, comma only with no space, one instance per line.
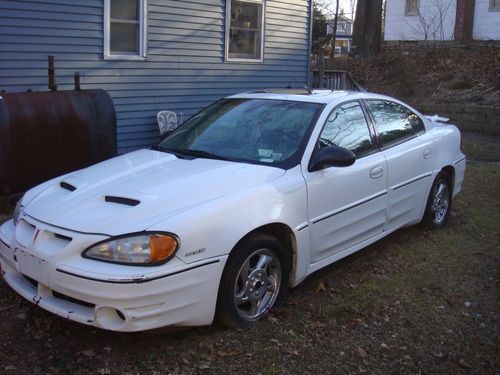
(343,37)
(152,55)
(460,20)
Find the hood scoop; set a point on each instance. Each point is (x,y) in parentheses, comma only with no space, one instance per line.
(67,186)
(121,200)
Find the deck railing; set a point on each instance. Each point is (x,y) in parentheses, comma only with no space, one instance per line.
(334,80)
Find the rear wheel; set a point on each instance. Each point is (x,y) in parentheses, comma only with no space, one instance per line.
(439,202)
(254,280)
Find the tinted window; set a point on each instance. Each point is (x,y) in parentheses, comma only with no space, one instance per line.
(392,121)
(346,127)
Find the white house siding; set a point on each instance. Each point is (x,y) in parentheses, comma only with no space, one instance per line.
(486,23)
(401,27)
(185,68)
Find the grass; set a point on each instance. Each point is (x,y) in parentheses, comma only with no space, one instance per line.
(417,301)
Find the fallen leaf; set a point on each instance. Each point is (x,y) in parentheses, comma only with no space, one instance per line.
(89,353)
(275,341)
(362,352)
(320,287)
(463,364)
(438,354)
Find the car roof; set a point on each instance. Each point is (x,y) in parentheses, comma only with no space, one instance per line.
(311,96)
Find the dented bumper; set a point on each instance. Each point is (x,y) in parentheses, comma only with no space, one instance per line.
(43,264)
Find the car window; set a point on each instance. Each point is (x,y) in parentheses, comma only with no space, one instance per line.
(416,122)
(392,121)
(346,127)
(264,131)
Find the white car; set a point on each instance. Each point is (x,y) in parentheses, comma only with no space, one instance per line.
(222,216)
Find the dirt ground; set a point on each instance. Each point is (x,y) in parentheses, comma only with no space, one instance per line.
(461,74)
(415,302)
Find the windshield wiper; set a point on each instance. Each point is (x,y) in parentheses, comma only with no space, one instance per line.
(199,153)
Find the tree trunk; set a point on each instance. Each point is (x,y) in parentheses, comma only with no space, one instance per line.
(367,30)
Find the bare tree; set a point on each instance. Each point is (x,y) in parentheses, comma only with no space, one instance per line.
(334,34)
(352,8)
(430,20)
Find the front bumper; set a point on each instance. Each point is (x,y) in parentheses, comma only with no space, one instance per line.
(101,294)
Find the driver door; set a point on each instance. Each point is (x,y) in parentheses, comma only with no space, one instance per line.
(346,205)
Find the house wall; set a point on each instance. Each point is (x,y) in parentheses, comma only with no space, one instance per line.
(486,23)
(184,70)
(401,27)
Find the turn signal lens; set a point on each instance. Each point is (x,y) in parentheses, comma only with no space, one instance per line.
(162,247)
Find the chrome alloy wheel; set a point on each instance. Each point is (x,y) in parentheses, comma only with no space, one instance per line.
(440,203)
(257,285)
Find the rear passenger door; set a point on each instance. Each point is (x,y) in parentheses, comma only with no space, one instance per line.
(410,159)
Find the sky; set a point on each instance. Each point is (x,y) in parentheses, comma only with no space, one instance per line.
(343,4)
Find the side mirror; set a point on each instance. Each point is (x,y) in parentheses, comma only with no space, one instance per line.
(331,156)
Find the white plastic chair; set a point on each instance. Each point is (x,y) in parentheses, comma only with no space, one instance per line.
(167,121)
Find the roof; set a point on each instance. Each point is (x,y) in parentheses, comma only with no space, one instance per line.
(304,95)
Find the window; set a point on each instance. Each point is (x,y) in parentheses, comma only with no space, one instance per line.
(394,122)
(346,127)
(245,30)
(494,5)
(125,29)
(262,131)
(416,122)
(412,7)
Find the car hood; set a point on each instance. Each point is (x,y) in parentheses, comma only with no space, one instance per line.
(134,191)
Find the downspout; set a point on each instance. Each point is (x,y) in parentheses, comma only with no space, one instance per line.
(311,20)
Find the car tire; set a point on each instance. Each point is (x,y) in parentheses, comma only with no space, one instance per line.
(439,202)
(255,279)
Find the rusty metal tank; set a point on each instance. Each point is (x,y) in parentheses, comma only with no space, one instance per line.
(46,134)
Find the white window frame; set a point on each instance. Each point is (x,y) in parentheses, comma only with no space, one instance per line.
(227,36)
(494,6)
(409,12)
(143,27)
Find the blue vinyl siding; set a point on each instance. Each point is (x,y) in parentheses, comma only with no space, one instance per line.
(184,70)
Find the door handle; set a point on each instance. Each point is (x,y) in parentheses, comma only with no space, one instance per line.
(427,153)
(377,171)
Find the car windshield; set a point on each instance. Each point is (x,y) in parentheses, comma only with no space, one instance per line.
(263,131)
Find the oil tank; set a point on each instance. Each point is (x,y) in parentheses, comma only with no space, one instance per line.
(46,134)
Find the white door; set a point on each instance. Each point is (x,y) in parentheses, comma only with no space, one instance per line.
(346,205)
(410,159)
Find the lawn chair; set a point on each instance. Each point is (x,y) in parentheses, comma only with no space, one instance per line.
(167,121)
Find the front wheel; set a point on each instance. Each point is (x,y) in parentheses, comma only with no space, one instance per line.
(439,202)
(254,280)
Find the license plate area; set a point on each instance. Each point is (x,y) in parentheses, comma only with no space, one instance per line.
(32,266)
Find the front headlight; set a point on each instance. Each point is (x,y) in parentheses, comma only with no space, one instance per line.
(140,249)
(17,211)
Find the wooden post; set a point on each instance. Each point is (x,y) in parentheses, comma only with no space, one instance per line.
(321,69)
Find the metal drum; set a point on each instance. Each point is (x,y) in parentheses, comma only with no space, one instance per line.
(46,134)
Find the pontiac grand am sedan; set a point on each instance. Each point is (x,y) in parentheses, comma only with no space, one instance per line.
(242,201)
